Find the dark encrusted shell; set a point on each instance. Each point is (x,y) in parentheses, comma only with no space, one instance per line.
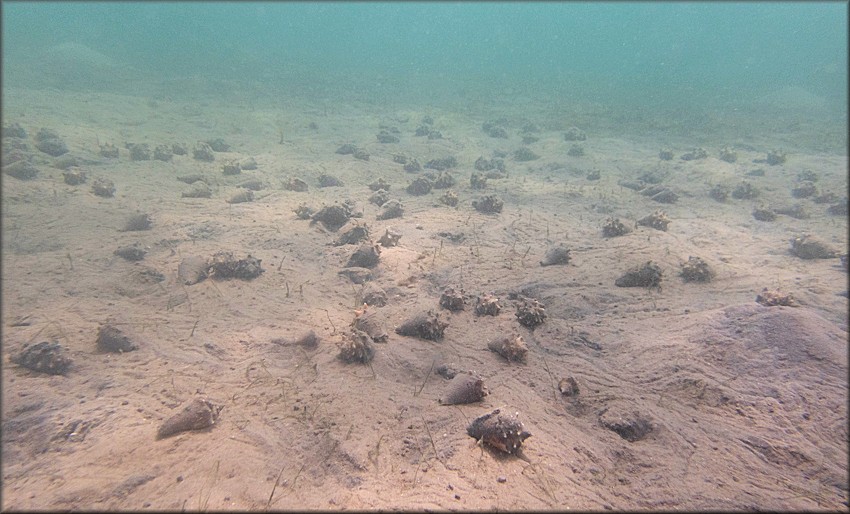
(498,430)
(490,204)
(556,255)
(391,209)
(646,275)
(809,247)
(357,347)
(371,323)
(374,296)
(353,235)
(530,312)
(696,270)
(198,415)
(333,216)
(111,339)
(464,388)
(130,253)
(452,300)
(224,265)
(136,222)
(657,220)
(44,357)
(367,255)
(390,238)
(487,304)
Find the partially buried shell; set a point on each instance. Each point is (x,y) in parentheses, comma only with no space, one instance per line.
(499,431)
(372,325)
(464,388)
(568,386)
(192,270)
(308,340)
(425,325)
(198,415)
(810,247)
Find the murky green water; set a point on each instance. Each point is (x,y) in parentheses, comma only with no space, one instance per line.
(676,56)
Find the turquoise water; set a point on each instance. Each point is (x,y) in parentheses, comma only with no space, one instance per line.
(723,54)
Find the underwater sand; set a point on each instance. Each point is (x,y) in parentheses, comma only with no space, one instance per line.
(747,404)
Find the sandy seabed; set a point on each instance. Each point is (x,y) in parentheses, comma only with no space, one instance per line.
(691,395)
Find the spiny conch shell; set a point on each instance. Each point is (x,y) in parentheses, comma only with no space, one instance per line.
(199,414)
(464,388)
(499,431)
(512,348)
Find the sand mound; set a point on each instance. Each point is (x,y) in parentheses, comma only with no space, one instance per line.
(771,341)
